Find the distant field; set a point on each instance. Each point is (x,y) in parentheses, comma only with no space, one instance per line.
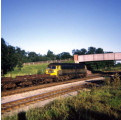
(116,68)
(112,69)
(29,70)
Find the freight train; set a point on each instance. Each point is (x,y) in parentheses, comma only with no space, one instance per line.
(66,70)
(55,72)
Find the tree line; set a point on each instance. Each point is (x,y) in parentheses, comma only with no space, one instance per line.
(14,56)
(96,65)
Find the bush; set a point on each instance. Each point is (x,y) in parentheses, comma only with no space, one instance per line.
(116,80)
(108,81)
(39,72)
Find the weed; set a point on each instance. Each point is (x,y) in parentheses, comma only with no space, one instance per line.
(107,81)
(116,80)
(102,103)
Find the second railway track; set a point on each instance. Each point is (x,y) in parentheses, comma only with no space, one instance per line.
(16,91)
(9,106)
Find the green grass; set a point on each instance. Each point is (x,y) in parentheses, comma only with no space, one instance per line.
(28,70)
(71,61)
(115,68)
(103,103)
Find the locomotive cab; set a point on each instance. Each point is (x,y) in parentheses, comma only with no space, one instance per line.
(53,69)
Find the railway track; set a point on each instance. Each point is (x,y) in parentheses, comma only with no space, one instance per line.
(9,106)
(20,90)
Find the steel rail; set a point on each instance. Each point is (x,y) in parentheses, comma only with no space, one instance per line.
(7,107)
(20,90)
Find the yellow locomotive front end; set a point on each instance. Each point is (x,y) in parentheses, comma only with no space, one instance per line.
(53,69)
(66,70)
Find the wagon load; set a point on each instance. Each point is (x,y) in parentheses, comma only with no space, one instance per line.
(55,72)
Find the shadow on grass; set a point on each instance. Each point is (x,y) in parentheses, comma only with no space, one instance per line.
(96,81)
(84,114)
(22,116)
(80,114)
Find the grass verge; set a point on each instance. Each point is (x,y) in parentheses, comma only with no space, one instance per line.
(30,69)
(102,103)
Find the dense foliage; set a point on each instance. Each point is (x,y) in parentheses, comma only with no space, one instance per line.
(98,65)
(8,57)
(14,56)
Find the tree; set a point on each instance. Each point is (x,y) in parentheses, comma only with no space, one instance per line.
(20,54)
(33,57)
(76,52)
(91,50)
(64,55)
(83,51)
(99,50)
(20,65)
(51,55)
(24,56)
(8,57)
(12,57)
(4,56)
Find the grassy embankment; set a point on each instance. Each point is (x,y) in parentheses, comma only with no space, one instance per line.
(112,69)
(29,70)
(102,103)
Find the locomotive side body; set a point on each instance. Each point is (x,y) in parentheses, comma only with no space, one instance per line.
(62,69)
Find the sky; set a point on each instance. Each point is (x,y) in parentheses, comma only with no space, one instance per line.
(61,25)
